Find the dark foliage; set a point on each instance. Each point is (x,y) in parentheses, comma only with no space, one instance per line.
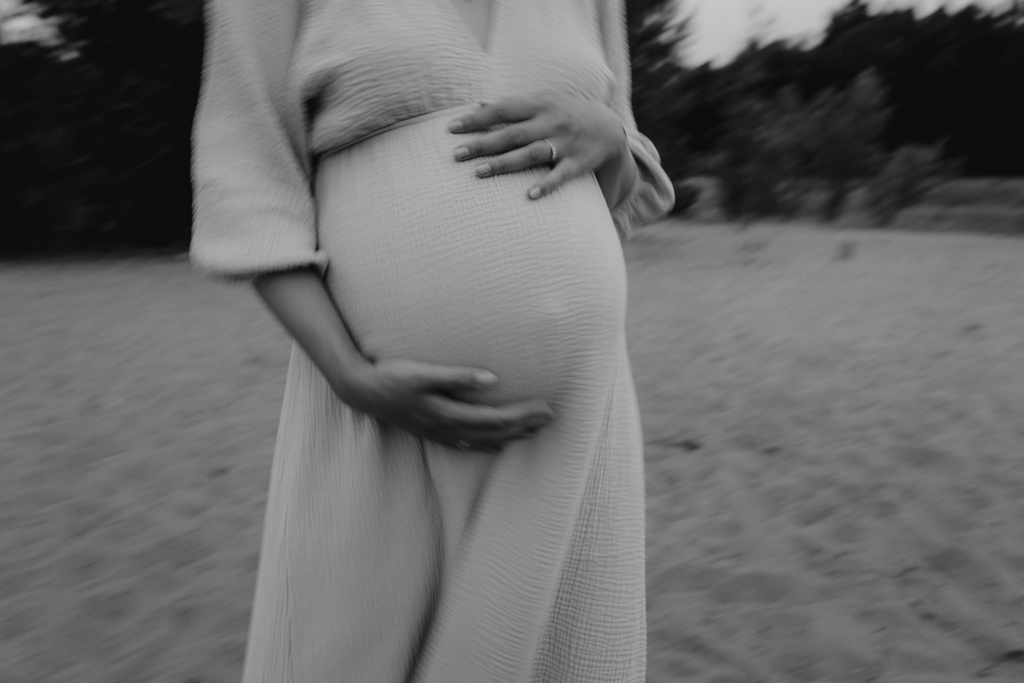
(656,33)
(948,76)
(777,151)
(911,172)
(96,131)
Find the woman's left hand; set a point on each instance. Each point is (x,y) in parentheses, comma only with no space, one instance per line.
(585,136)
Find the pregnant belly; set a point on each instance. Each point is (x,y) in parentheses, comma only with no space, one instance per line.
(429,262)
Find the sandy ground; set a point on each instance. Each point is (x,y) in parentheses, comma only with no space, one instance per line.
(835,448)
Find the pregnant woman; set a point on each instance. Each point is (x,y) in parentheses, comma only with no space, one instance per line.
(457,490)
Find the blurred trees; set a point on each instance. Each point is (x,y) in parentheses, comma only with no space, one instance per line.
(95,131)
(842,138)
(906,178)
(656,32)
(777,151)
(954,77)
(947,76)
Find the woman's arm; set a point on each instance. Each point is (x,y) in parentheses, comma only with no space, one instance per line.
(417,397)
(301,303)
(253,206)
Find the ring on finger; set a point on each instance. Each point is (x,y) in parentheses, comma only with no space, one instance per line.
(462,445)
(554,151)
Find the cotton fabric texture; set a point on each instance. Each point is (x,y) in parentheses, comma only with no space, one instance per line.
(321,140)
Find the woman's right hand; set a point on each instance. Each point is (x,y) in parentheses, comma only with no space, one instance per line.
(421,398)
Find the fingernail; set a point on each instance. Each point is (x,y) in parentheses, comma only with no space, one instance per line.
(534,193)
(483,169)
(455,126)
(486,378)
(461,152)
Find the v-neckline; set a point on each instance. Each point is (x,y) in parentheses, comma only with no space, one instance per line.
(493,15)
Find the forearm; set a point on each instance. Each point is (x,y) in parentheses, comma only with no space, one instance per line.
(301,303)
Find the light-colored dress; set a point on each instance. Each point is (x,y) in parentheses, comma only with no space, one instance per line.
(321,139)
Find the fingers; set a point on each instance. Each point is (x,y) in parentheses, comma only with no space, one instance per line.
(520,147)
(503,140)
(487,442)
(518,429)
(586,134)
(442,378)
(558,176)
(477,425)
(506,110)
(534,154)
(429,405)
(456,415)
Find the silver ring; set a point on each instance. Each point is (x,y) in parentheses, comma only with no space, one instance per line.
(462,445)
(554,152)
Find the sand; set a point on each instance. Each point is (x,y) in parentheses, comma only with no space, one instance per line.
(835,446)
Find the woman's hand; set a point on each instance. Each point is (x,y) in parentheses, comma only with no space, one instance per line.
(421,398)
(584,136)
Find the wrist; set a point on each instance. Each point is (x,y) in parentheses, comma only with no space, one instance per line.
(629,172)
(620,155)
(619,173)
(351,380)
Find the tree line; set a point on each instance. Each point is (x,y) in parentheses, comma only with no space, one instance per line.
(95,128)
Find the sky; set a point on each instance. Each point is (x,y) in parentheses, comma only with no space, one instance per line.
(722,27)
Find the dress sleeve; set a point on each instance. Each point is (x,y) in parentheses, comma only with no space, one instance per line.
(253,208)
(652,195)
